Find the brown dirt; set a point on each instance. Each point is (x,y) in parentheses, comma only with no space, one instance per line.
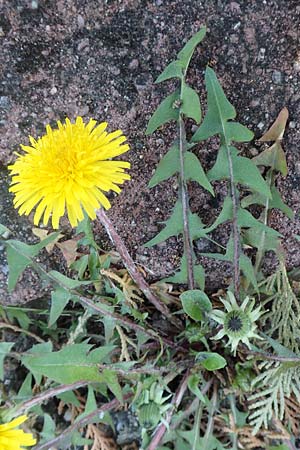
(99,58)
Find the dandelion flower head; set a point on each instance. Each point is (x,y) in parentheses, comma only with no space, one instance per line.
(15,439)
(69,169)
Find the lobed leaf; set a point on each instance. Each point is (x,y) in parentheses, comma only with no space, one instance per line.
(165,112)
(73,363)
(244,171)
(173,70)
(167,167)
(170,165)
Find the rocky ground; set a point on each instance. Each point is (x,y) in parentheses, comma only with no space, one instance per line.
(99,58)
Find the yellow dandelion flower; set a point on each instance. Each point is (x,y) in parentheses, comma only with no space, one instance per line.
(12,439)
(69,168)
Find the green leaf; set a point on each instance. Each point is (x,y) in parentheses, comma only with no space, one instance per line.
(195,304)
(193,385)
(180,277)
(273,157)
(59,299)
(65,282)
(69,397)
(277,202)
(195,172)
(211,361)
(225,214)
(219,112)
(280,349)
(238,133)
(184,56)
(245,262)
(17,313)
(111,378)
(164,113)
(279,447)
(244,171)
(48,430)
(71,364)
(174,226)
(25,391)
(254,239)
(4,349)
(173,70)
(246,220)
(168,166)
(19,256)
(219,109)
(190,103)
(4,231)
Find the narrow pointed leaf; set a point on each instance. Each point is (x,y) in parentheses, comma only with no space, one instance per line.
(246,220)
(277,202)
(225,214)
(173,226)
(173,70)
(111,378)
(66,282)
(186,53)
(19,256)
(190,103)
(180,277)
(165,112)
(219,109)
(59,299)
(168,166)
(195,172)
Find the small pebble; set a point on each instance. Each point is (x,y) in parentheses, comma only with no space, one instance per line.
(134,64)
(4,102)
(115,70)
(80,21)
(53,90)
(34,4)
(277,77)
(292,124)
(260,125)
(261,54)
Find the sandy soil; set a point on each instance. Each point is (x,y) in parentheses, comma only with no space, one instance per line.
(99,58)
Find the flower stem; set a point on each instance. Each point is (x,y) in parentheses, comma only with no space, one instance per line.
(131,267)
(183,192)
(235,227)
(187,243)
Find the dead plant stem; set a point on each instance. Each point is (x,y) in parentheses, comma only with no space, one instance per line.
(130,265)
